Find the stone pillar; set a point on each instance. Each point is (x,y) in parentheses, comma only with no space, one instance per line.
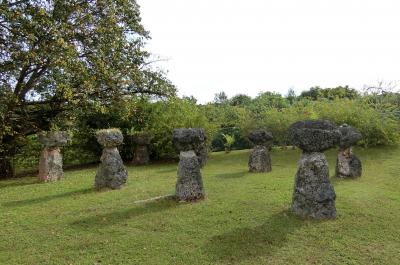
(347,164)
(141,155)
(51,163)
(111,173)
(260,158)
(313,194)
(189,185)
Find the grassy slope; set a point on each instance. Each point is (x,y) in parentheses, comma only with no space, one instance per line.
(244,220)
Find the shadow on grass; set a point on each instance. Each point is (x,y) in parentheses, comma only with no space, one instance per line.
(18,182)
(250,242)
(168,170)
(48,198)
(231,175)
(111,218)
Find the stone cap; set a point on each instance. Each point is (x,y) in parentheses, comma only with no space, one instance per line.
(261,137)
(141,138)
(110,137)
(348,136)
(53,139)
(314,135)
(185,139)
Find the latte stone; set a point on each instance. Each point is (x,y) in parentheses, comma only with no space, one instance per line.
(260,158)
(191,144)
(111,172)
(347,164)
(51,161)
(313,194)
(141,154)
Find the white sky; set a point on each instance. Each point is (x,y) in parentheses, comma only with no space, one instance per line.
(250,46)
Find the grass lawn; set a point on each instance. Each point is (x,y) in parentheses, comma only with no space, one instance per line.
(243,220)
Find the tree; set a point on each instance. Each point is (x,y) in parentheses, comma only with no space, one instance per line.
(241,100)
(340,92)
(56,55)
(220,98)
(291,96)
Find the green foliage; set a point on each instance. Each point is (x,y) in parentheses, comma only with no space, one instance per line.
(168,115)
(376,127)
(340,92)
(240,100)
(229,141)
(57,55)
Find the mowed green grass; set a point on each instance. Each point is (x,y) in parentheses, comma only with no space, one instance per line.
(245,218)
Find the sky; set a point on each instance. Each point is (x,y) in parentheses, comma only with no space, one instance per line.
(247,47)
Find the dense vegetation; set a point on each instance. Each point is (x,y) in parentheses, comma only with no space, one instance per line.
(375,115)
(244,219)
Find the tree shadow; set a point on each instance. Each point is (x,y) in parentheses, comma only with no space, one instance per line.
(111,218)
(48,198)
(231,175)
(250,242)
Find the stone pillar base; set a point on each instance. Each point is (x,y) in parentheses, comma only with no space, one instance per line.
(313,194)
(50,165)
(347,164)
(111,173)
(141,155)
(189,185)
(260,160)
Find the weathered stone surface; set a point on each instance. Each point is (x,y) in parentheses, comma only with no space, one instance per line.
(261,137)
(111,173)
(189,185)
(313,195)
(347,164)
(141,155)
(53,139)
(348,136)
(186,139)
(110,137)
(314,135)
(141,139)
(260,159)
(50,165)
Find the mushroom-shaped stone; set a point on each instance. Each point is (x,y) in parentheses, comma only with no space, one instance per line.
(313,194)
(314,135)
(111,173)
(141,154)
(260,158)
(347,164)
(261,137)
(51,163)
(193,153)
(186,139)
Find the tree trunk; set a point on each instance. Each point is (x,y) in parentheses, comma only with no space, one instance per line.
(7,152)
(6,168)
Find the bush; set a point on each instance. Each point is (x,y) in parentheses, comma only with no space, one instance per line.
(377,128)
